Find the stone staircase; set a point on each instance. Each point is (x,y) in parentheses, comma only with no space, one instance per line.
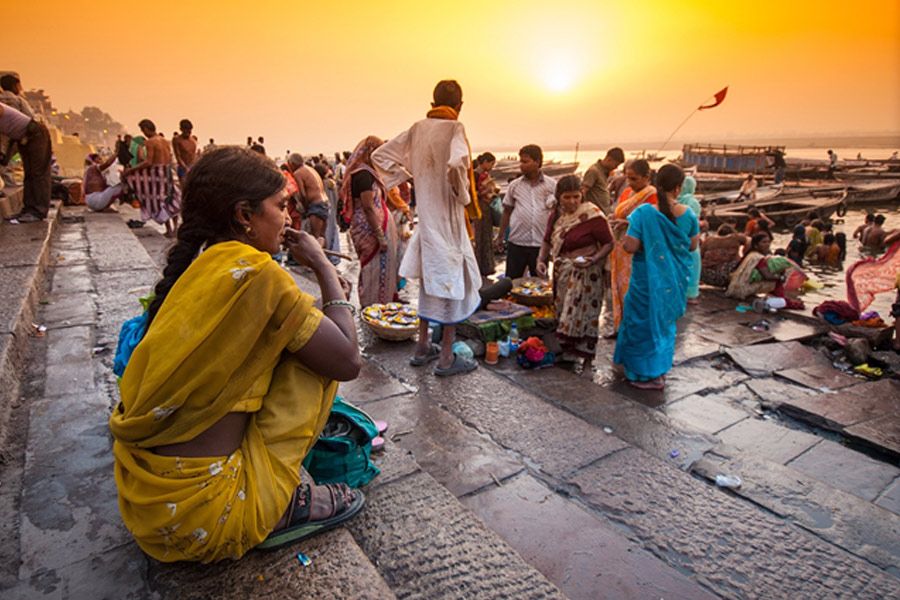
(500,484)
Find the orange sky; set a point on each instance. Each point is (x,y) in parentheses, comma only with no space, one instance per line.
(318,76)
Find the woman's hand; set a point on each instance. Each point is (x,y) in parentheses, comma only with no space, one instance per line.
(542,268)
(382,244)
(583,262)
(305,249)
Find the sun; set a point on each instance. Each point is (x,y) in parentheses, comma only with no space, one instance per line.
(559,75)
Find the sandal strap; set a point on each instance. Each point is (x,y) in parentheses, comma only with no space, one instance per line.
(301,504)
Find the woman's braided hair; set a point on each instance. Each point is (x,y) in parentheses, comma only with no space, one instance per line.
(221,179)
(668,179)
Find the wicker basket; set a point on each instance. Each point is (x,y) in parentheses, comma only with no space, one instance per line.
(526,299)
(391,334)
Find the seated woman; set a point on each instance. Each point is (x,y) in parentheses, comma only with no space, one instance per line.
(661,242)
(720,255)
(762,273)
(577,243)
(234,378)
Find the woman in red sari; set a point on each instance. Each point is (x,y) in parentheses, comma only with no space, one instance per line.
(372,228)
(577,242)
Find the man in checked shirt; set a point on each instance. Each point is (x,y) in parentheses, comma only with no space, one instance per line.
(526,209)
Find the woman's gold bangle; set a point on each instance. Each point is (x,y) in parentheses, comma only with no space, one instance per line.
(343,303)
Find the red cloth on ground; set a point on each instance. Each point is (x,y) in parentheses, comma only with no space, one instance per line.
(872,276)
(839,308)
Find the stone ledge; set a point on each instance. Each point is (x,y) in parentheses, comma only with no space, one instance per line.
(427,545)
(18,301)
(839,517)
(339,569)
(729,545)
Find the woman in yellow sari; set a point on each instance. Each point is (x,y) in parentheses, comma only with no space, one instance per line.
(638,192)
(234,378)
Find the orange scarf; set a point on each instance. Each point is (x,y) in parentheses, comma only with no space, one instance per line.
(473,211)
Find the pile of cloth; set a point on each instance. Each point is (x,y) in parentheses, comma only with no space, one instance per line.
(838,312)
(534,354)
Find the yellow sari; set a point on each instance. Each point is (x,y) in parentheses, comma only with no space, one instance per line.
(220,343)
(619,260)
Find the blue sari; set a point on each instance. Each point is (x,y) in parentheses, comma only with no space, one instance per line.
(657,294)
(688,199)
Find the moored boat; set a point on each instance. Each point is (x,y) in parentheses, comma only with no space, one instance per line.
(506,168)
(722,158)
(766,192)
(785,211)
(873,192)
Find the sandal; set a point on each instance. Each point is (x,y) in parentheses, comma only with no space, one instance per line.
(654,384)
(433,353)
(300,527)
(459,365)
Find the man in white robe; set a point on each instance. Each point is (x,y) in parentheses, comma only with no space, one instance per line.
(434,152)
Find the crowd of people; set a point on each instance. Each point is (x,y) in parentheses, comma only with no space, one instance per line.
(229,376)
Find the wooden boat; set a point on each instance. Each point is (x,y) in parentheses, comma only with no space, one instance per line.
(766,192)
(873,192)
(721,158)
(882,172)
(710,183)
(507,168)
(785,211)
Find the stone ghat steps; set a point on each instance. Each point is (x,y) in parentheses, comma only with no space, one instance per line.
(24,255)
(542,435)
(511,459)
(414,538)
(506,494)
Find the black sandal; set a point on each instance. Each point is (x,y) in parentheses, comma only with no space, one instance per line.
(300,527)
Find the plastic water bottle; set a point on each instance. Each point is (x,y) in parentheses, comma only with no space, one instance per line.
(514,334)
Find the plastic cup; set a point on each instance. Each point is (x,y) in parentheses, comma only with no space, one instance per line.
(491,353)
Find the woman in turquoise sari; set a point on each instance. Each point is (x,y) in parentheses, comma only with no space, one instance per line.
(661,241)
(688,199)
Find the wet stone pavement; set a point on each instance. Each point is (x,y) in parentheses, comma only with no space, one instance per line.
(503,483)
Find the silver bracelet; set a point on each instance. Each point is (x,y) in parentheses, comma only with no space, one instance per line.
(343,303)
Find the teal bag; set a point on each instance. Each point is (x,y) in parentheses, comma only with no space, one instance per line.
(343,452)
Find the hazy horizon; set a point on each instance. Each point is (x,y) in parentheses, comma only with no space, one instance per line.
(321,77)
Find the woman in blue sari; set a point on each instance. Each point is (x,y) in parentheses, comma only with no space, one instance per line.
(661,241)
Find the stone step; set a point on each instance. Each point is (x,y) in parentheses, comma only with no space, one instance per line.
(505,454)
(103,267)
(24,255)
(73,543)
(728,545)
(842,518)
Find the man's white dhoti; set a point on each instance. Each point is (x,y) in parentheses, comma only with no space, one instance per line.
(435,154)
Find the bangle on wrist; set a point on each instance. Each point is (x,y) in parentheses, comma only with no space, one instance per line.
(341,303)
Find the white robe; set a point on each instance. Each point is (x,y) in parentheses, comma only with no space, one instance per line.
(434,152)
